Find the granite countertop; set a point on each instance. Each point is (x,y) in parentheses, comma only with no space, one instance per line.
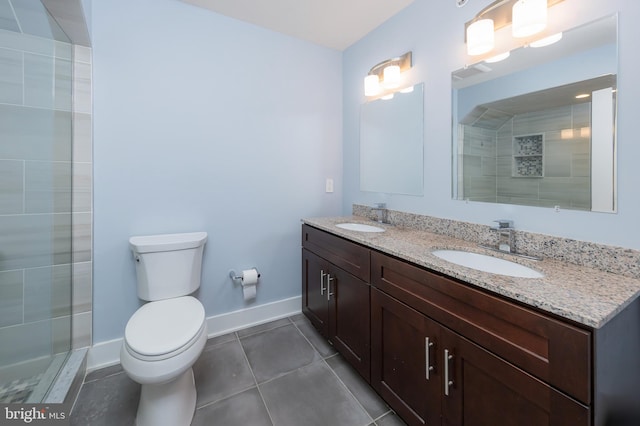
(588,296)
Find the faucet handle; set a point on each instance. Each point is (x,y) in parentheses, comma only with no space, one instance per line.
(504,224)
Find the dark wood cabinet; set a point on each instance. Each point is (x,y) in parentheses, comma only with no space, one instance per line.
(482,389)
(554,351)
(431,375)
(336,301)
(443,352)
(405,369)
(314,298)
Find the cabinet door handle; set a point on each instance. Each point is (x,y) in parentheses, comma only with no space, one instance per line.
(329,293)
(427,356)
(447,383)
(322,275)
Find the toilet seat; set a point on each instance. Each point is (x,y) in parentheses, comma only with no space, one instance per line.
(163,329)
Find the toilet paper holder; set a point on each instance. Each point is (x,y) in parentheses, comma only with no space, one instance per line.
(238,278)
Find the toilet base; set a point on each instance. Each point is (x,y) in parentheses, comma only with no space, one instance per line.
(168,404)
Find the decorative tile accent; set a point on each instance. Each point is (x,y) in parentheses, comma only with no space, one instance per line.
(18,391)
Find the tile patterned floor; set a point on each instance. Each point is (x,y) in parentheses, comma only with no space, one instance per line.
(278,374)
(18,391)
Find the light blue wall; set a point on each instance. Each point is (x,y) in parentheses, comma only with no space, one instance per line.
(434,32)
(204,123)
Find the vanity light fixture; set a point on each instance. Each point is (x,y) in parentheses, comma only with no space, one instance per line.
(480,37)
(547,41)
(529,17)
(386,75)
(498,58)
(526,17)
(582,95)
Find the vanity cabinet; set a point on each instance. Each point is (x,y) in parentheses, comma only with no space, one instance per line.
(431,375)
(445,353)
(335,294)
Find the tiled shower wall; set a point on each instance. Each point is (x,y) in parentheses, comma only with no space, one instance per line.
(82,207)
(35,316)
(488,157)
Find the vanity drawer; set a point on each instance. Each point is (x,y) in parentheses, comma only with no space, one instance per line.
(349,256)
(552,350)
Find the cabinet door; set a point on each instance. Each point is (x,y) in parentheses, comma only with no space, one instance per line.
(404,368)
(481,389)
(314,296)
(349,319)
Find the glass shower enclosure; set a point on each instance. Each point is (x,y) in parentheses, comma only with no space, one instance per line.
(35,200)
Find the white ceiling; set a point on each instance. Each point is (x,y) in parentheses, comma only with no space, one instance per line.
(336,24)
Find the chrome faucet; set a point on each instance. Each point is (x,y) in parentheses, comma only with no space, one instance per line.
(381,212)
(505,235)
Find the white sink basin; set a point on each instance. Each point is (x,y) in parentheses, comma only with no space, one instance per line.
(360,227)
(485,263)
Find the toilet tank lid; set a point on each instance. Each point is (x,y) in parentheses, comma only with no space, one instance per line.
(167,242)
(161,327)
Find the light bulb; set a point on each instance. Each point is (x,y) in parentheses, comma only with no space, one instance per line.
(529,17)
(498,58)
(371,85)
(391,78)
(480,37)
(547,41)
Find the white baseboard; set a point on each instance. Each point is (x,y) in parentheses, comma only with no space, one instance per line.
(105,354)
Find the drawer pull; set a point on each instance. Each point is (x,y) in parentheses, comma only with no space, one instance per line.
(447,383)
(427,356)
(329,293)
(322,275)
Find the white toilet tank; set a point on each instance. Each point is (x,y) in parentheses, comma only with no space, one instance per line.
(168,265)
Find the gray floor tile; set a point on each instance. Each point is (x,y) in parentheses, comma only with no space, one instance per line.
(243,409)
(298,387)
(368,398)
(103,372)
(110,401)
(316,339)
(278,351)
(314,397)
(218,340)
(297,317)
(390,419)
(263,327)
(220,372)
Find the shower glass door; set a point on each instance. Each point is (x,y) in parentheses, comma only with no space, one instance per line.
(35,200)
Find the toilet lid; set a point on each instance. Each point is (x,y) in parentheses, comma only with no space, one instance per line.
(164,326)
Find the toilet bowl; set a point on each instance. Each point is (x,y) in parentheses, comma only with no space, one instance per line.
(165,337)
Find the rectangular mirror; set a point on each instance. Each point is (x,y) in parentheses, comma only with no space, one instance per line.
(391,143)
(538,128)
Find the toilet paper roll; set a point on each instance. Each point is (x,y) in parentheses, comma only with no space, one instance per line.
(249,277)
(249,291)
(249,281)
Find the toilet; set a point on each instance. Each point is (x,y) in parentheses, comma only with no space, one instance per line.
(165,337)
